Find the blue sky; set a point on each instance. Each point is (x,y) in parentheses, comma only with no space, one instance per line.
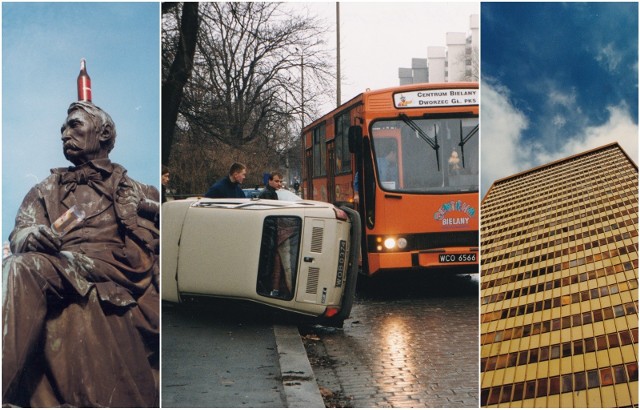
(557,79)
(42,44)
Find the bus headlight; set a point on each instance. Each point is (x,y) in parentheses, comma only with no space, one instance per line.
(389,243)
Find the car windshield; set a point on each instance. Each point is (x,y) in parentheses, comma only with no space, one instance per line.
(420,155)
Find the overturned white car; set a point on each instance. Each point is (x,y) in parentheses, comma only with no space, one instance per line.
(297,256)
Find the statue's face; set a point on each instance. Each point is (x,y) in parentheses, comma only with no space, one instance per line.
(80,140)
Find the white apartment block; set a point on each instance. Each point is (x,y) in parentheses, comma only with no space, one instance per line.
(456,61)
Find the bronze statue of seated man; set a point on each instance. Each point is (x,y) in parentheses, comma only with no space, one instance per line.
(81,312)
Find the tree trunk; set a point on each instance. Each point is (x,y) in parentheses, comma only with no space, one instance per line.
(179,73)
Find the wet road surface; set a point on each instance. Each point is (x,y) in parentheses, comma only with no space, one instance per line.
(411,341)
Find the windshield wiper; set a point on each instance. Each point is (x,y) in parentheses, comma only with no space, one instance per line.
(433,143)
(464,140)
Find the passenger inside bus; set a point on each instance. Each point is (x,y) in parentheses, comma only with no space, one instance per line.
(454,163)
(388,167)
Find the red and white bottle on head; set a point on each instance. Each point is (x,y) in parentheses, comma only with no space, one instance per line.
(84,83)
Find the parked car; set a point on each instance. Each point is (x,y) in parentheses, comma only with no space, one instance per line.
(296,256)
(251,192)
(286,195)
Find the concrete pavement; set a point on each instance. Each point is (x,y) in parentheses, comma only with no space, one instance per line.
(211,358)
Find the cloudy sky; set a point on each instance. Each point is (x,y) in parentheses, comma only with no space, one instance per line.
(377,38)
(557,79)
(42,44)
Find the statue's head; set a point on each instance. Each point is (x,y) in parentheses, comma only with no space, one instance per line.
(88,133)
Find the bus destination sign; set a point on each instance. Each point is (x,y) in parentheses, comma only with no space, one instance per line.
(437,98)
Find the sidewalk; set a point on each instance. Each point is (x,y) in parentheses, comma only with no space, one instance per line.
(235,362)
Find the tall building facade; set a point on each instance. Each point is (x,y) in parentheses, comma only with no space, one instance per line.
(457,61)
(559,284)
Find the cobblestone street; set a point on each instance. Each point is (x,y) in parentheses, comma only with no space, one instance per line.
(402,348)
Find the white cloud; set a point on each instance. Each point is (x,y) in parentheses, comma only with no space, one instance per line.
(500,130)
(559,120)
(609,57)
(563,99)
(504,153)
(619,128)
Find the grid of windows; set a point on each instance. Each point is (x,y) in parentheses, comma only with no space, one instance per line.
(558,350)
(559,311)
(565,383)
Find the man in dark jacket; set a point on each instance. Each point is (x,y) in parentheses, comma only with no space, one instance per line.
(275,183)
(229,186)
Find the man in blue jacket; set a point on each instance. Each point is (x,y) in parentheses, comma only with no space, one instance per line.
(229,186)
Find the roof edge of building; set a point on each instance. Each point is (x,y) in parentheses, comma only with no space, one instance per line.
(559,161)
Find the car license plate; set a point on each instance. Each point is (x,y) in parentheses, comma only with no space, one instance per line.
(341,259)
(457,257)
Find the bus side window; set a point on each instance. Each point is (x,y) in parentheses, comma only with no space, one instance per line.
(279,251)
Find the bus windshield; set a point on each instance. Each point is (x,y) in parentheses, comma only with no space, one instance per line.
(417,155)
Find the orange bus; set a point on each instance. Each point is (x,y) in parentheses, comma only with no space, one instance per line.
(411,154)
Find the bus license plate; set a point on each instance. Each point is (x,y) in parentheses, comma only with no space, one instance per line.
(457,257)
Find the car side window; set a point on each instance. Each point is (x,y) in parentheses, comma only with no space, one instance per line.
(278,268)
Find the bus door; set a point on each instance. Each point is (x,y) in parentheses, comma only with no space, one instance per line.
(331,171)
(389,162)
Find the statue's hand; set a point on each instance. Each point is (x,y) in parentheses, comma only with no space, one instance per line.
(149,209)
(129,201)
(43,239)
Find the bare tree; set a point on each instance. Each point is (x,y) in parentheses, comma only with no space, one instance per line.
(473,72)
(247,73)
(179,72)
(245,99)
(471,61)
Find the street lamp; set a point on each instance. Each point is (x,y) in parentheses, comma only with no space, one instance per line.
(302,88)
(338,91)
(302,140)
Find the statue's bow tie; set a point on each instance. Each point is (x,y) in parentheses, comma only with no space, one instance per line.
(90,176)
(82,176)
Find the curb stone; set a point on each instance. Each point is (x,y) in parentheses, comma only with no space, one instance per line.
(299,382)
